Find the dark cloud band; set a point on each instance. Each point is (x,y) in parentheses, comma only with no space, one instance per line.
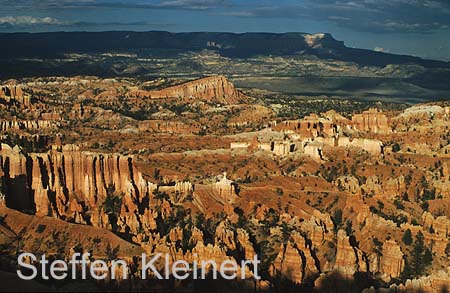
(379,16)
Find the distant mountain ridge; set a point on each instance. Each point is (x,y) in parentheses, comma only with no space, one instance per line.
(49,45)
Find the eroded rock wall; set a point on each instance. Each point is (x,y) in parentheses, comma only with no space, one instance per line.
(214,88)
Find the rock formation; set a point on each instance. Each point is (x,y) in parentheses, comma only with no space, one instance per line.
(245,244)
(349,259)
(288,263)
(14,94)
(171,127)
(372,121)
(438,282)
(67,184)
(51,116)
(226,189)
(319,196)
(211,89)
(282,148)
(436,231)
(372,146)
(309,127)
(391,262)
(27,125)
(313,149)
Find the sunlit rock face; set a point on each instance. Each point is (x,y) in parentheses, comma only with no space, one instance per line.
(349,259)
(372,121)
(14,94)
(212,89)
(314,196)
(392,262)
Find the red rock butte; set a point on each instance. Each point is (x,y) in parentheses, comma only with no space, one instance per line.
(211,89)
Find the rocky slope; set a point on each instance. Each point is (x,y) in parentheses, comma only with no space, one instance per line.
(199,170)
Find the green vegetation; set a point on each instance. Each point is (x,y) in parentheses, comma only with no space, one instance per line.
(395,147)
(398,219)
(378,247)
(279,191)
(337,219)
(112,253)
(112,206)
(398,204)
(40,228)
(419,259)
(407,237)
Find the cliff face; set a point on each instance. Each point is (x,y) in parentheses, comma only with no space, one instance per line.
(438,282)
(309,127)
(349,259)
(14,93)
(372,121)
(436,232)
(289,263)
(27,125)
(171,127)
(392,262)
(212,89)
(73,185)
(295,260)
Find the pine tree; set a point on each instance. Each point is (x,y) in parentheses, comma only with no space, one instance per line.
(417,255)
(421,256)
(407,237)
(427,257)
(337,219)
(447,250)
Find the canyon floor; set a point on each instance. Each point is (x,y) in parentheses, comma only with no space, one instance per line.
(332,194)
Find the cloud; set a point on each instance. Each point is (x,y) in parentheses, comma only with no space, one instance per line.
(141,4)
(28,21)
(378,16)
(24,22)
(190,4)
(381,49)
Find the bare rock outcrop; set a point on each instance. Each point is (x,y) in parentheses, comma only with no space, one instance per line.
(372,121)
(314,149)
(438,282)
(392,262)
(27,125)
(349,259)
(14,94)
(288,263)
(349,183)
(282,148)
(372,146)
(309,127)
(212,89)
(436,231)
(388,188)
(440,225)
(226,189)
(74,185)
(318,228)
(245,244)
(171,127)
(311,264)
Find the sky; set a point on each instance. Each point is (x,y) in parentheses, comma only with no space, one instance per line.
(412,27)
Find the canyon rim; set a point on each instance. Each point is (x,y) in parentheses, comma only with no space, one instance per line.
(153,161)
